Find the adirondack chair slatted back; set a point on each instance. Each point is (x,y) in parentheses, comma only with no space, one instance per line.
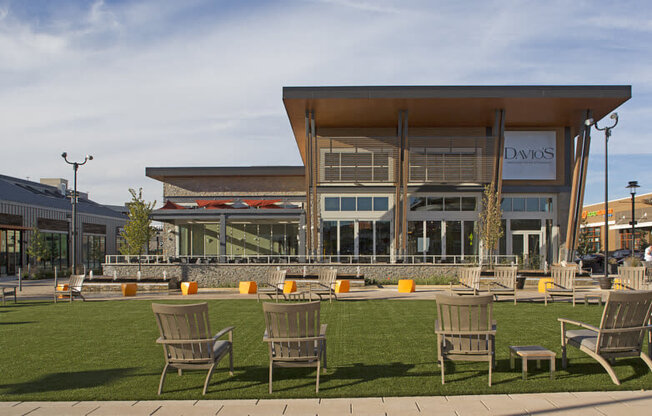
(292,321)
(632,277)
(76,282)
(505,276)
(624,310)
(276,278)
(456,313)
(184,322)
(327,277)
(470,276)
(563,276)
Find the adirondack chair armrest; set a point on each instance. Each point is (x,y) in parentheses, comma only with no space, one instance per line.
(184,341)
(440,332)
(227,330)
(578,323)
(300,339)
(620,330)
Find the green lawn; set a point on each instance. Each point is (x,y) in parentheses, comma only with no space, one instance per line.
(106,351)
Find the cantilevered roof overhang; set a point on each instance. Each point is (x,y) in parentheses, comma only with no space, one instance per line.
(449,106)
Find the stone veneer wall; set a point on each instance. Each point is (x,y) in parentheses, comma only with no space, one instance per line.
(220,275)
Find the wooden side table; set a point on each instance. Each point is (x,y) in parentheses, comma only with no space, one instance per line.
(532,352)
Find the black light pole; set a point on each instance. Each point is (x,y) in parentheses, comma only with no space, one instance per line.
(607,134)
(632,190)
(75,166)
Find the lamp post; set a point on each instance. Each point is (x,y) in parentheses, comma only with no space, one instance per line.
(75,167)
(607,134)
(632,190)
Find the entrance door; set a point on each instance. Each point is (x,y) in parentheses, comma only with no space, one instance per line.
(527,244)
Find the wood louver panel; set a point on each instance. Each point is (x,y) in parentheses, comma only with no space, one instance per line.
(357,159)
(451,159)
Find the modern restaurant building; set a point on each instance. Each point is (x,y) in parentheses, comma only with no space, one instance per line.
(396,174)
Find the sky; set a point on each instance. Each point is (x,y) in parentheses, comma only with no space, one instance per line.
(199,82)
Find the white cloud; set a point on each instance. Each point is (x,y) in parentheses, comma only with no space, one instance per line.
(199,83)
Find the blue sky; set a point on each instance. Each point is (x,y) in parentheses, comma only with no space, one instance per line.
(176,83)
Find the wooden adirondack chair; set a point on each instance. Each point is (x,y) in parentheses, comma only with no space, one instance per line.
(273,287)
(469,278)
(465,330)
(187,340)
(294,336)
(563,282)
(504,282)
(622,329)
(326,284)
(632,278)
(75,286)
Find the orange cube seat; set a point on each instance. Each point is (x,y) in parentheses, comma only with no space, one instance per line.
(342,286)
(188,288)
(248,288)
(290,286)
(129,289)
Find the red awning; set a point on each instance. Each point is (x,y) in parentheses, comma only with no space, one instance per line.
(262,203)
(171,205)
(214,204)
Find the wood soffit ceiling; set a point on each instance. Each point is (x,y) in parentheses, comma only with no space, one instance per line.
(474,106)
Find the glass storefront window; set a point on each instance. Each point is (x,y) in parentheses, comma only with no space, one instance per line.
(454,238)
(525,225)
(433,234)
(348,203)
(347,238)
(452,203)
(415,237)
(532,204)
(365,238)
(383,239)
(10,251)
(545,204)
(329,236)
(468,203)
(332,204)
(506,204)
(435,204)
(470,240)
(381,203)
(93,251)
(417,203)
(518,204)
(364,203)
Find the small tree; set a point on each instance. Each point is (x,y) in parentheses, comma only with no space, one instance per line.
(138,230)
(37,248)
(584,244)
(490,226)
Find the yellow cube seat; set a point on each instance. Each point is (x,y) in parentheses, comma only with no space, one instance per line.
(342,286)
(62,287)
(188,288)
(248,288)
(290,286)
(618,284)
(406,286)
(543,282)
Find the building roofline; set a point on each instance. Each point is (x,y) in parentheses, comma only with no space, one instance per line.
(160,173)
(459,91)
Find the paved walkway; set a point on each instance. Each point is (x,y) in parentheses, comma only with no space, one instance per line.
(621,403)
(44,289)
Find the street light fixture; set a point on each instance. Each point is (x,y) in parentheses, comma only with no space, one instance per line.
(632,190)
(75,167)
(607,134)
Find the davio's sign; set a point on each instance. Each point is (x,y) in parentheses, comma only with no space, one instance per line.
(530,155)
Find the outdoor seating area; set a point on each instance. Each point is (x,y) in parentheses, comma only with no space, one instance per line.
(476,337)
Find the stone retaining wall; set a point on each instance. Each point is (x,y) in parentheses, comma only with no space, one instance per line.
(220,275)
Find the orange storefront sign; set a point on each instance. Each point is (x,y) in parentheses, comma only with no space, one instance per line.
(586,214)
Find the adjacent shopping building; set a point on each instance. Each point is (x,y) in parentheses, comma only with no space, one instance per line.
(620,223)
(26,205)
(395,175)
